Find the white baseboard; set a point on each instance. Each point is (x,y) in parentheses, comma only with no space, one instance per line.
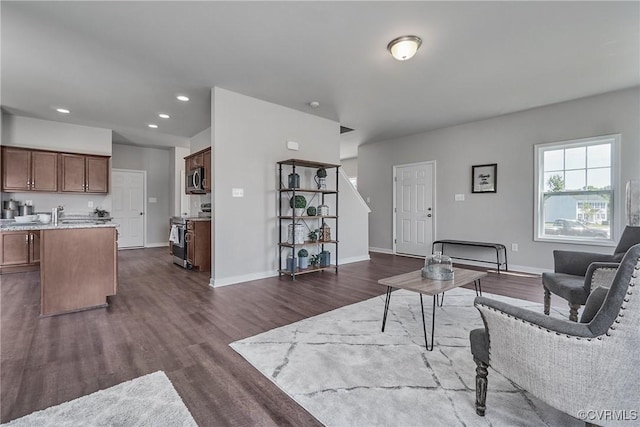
(355,259)
(217,283)
(381,250)
(156,245)
(226,281)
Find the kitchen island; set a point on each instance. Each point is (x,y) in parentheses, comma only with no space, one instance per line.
(78,263)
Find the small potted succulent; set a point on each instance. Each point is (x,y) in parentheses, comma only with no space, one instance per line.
(315,260)
(298,203)
(303,258)
(312,211)
(313,235)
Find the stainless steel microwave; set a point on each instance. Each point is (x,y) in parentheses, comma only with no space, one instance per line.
(195,180)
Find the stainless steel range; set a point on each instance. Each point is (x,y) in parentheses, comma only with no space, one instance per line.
(178,243)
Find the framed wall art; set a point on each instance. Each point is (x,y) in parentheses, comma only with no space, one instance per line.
(484,178)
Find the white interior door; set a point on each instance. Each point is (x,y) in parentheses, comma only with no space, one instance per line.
(414,208)
(128,207)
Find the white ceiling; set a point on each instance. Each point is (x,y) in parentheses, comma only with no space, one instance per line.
(118,64)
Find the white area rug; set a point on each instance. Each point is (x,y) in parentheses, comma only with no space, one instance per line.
(345,372)
(149,400)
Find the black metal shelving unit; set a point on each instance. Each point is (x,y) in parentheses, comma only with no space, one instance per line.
(290,166)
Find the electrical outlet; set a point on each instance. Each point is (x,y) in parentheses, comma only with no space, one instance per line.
(90,204)
(292,145)
(237,192)
(459,197)
(514,247)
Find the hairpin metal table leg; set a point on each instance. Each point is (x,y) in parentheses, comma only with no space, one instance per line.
(439,300)
(386,306)
(424,324)
(478,286)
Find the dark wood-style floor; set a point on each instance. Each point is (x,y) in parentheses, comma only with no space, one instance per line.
(166,318)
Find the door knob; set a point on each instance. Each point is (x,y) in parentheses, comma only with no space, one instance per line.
(141,213)
(428,215)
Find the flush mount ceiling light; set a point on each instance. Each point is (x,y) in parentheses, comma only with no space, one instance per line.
(63,110)
(163,116)
(404,47)
(314,104)
(152,126)
(182,98)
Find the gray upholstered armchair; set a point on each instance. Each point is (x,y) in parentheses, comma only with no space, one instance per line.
(575,275)
(587,366)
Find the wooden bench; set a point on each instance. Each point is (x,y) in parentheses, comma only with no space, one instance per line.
(497,246)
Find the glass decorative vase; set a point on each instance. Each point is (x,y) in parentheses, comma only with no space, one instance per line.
(438,267)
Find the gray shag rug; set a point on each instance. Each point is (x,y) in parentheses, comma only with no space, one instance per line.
(149,400)
(343,370)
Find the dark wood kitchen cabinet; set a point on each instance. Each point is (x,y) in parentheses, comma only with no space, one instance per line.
(20,250)
(84,174)
(201,159)
(207,171)
(29,170)
(198,239)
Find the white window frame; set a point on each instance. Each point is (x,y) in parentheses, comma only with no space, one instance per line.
(538,167)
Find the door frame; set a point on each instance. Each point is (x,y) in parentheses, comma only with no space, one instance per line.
(144,201)
(394,211)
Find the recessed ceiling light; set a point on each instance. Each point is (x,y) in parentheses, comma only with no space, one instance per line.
(182,98)
(314,104)
(163,116)
(63,110)
(153,126)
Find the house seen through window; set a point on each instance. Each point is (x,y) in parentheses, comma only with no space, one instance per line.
(575,189)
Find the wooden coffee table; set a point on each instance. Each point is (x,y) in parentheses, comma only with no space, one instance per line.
(414,281)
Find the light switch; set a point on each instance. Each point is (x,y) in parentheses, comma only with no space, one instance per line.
(237,192)
(368,199)
(153,200)
(459,197)
(292,145)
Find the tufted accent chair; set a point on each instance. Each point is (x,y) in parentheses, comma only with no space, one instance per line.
(574,367)
(575,275)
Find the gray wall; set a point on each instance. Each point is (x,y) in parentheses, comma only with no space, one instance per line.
(350,167)
(507,216)
(157,163)
(249,137)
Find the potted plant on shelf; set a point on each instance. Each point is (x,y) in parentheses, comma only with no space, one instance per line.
(315,260)
(313,235)
(303,259)
(298,203)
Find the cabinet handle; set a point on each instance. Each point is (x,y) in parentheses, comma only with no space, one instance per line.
(31,238)
(204,182)
(26,239)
